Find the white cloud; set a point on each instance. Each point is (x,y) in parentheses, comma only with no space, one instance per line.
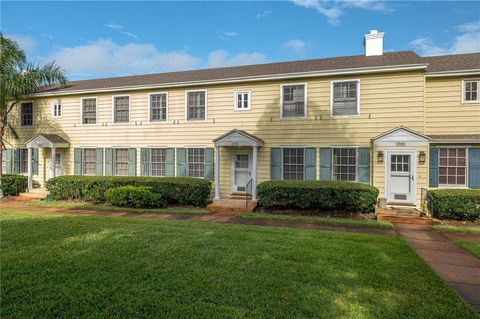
(333,10)
(27,43)
(226,34)
(264,14)
(220,58)
(120,30)
(467,41)
(106,58)
(297,46)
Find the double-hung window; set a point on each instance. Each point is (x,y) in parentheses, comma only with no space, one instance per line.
(345,98)
(121,109)
(453,167)
(158,107)
(120,161)
(57,110)
(88,161)
(26,114)
(196,162)
(89,110)
(196,105)
(23,160)
(344,164)
(293,163)
(470,91)
(158,161)
(242,100)
(294,103)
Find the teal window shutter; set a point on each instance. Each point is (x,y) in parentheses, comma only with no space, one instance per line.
(181,162)
(77,161)
(8,161)
(108,162)
(310,163)
(99,161)
(132,161)
(433,171)
(474,168)
(16,161)
(170,169)
(35,161)
(276,163)
(325,164)
(144,161)
(363,165)
(209,163)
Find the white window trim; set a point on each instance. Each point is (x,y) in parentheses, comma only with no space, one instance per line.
(467,148)
(356,161)
(129,109)
(235,100)
(82,162)
(96,110)
(358,98)
(150,158)
(33,113)
(186,106)
(53,110)
(478,91)
(186,160)
(306,102)
(149,107)
(293,146)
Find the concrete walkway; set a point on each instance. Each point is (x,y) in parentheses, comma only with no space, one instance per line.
(457,267)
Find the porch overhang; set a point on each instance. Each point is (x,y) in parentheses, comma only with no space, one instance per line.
(401,136)
(238,138)
(47,141)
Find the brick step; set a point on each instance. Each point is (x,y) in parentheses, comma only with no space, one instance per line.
(404,219)
(225,206)
(240,197)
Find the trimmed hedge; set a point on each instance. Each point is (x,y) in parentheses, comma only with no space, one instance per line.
(459,204)
(322,195)
(175,190)
(134,197)
(14,184)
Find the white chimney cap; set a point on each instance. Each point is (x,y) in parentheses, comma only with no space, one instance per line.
(373,43)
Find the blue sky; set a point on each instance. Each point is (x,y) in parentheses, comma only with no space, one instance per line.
(101,39)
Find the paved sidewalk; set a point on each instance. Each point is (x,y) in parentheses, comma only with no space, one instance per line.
(460,269)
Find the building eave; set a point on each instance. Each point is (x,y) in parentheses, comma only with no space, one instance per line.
(474,72)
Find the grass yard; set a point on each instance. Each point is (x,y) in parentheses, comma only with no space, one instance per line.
(320,220)
(472,246)
(89,206)
(64,265)
(456,229)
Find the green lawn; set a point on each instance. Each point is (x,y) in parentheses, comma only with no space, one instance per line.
(456,229)
(320,220)
(472,246)
(88,206)
(64,265)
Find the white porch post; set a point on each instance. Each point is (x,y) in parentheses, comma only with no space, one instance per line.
(254,173)
(217,172)
(30,169)
(52,162)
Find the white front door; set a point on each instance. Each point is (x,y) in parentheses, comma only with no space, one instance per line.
(58,164)
(400,172)
(241,172)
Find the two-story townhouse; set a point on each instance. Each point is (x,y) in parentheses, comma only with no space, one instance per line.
(395,120)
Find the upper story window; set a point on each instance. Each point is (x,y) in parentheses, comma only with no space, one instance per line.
(26,114)
(294,101)
(242,101)
(196,105)
(57,110)
(293,163)
(196,162)
(470,91)
(121,109)
(158,107)
(345,98)
(120,161)
(452,167)
(89,110)
(158,161)
(88,161)
(344,164)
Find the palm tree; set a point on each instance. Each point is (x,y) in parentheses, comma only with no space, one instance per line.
(20,78)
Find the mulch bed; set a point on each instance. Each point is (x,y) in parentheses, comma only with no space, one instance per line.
(317,213)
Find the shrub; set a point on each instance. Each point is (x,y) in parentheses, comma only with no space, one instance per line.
(13,184)
(322,195)
(134,197)
(174,190)
(459,204)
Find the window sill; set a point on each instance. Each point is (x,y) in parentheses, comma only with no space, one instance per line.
(293,118)
(345,116)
